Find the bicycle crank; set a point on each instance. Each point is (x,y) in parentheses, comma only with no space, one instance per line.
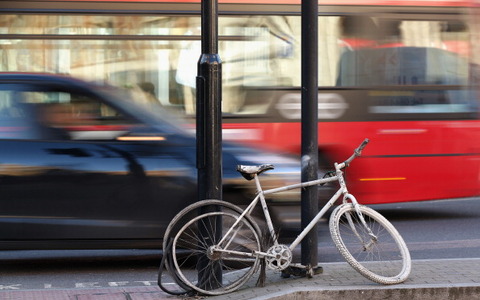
(278,257)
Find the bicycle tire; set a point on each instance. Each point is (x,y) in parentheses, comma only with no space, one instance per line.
(384,260)
(176,284)
(190,247)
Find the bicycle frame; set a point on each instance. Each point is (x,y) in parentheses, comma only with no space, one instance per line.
(261,197)
(341,191)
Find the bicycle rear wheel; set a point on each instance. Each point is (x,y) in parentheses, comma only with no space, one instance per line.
(383,258)
(193,210)
(213,269)
(169,281)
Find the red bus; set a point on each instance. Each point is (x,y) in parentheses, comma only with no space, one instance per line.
(402,73)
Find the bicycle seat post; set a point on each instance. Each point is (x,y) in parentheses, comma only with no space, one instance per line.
(257,184)
(266,213)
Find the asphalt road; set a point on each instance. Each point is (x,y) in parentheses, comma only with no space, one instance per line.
(438,229)
(432,230)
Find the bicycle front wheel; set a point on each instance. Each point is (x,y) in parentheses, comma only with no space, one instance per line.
(374,248)
(211,268)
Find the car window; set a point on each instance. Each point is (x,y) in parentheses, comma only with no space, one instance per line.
(66,115)
(8,111)
(46,113)
(14,121)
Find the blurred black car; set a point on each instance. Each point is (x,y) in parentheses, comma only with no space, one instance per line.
(82,165)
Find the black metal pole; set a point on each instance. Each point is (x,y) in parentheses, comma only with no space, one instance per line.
(209,126)
(309,252)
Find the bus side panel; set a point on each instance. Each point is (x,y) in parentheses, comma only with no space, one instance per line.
(405,161)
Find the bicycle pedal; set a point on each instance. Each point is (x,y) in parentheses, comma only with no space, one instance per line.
(285,275)
(293,271)
(300,272)
(317,270)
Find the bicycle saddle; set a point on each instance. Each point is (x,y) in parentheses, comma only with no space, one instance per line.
(248,172)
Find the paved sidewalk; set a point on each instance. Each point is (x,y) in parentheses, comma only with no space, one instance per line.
(430,279)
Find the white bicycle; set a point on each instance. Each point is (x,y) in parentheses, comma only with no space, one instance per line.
(213,247)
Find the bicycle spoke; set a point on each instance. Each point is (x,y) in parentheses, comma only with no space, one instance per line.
(210,271)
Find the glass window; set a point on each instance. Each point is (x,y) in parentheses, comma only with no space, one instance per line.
(257,52)
(67,116)
(14,121)
(95,24)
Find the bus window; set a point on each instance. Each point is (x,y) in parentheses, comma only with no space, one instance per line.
(409,66)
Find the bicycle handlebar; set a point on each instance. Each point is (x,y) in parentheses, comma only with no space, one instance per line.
(356,152)
(362,145)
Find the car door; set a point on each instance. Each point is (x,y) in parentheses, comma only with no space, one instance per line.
(91,185)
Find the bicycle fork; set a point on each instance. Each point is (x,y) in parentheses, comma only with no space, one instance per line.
(349,197)
(373,238)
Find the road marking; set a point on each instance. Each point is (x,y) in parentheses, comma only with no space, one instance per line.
(146,282)
(78,285)
(10,286)
(117,283)
(87,285)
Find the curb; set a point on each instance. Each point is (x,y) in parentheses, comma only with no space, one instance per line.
(399,293)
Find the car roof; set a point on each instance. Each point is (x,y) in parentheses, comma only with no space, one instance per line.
(39,76)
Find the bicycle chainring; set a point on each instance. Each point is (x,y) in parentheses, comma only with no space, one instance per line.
(278,257)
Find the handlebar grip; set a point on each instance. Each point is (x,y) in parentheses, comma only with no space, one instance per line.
(362,146)
(357,152)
